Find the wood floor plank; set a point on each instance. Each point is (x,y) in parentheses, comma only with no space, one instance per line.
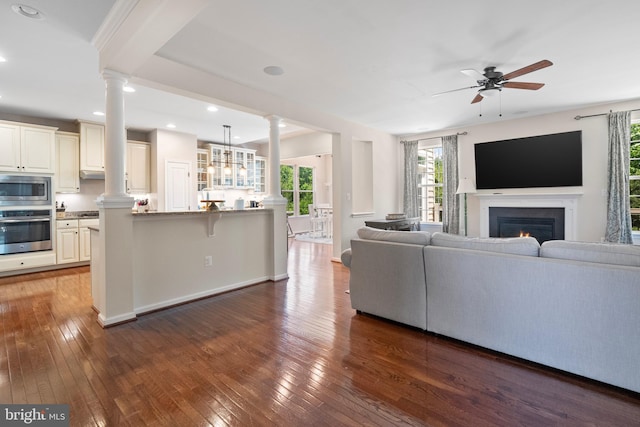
(289,353)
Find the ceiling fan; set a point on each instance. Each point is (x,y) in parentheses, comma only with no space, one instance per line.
(492,81)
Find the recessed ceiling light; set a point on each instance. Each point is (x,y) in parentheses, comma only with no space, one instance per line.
(212,108)
(98,113)
(128,89)
(171,126)
(273,70)
(3,59)
(236,137)
(27,11)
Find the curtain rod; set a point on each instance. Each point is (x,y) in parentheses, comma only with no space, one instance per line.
(597,115)
(434,137)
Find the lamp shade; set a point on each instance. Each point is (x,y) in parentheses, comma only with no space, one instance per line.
(465,186)
(489,92)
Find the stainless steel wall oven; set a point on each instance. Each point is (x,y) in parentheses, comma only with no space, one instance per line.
(25,230)
(26,215)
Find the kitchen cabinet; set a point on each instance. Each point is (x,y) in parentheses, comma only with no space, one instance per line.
(219,178)
(67,162)
(73,239)
(261,175)
(202,169)
(84,237)
(91,147)
(238,157)
(246,158)
(26,261)
(67,246)
(138,167)
(27,148)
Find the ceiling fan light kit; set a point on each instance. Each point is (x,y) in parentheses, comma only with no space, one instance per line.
(491,82)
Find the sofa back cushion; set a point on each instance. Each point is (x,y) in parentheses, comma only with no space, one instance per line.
(512,245)
(412,237)
(603,253)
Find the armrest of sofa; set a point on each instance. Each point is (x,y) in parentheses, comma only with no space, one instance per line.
(388,280)
(345,258)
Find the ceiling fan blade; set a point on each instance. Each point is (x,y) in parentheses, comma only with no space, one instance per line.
(456,90)
(523,85)
(528,69)
(478,98)
(474,74)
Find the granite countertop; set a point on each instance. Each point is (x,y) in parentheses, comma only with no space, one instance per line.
(80,215)
(201,212)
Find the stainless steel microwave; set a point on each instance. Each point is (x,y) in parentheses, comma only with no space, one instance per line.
(25,190)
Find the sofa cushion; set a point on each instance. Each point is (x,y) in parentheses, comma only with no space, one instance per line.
(411,237)
(603,253)
(511,245)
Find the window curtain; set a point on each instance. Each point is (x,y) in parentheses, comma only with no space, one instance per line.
(618,207)
(450,200)
(410,201)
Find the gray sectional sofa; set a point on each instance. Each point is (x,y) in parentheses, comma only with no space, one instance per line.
(573,306)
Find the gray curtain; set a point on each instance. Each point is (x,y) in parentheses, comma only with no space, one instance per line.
(618,208)
(450,200)
(410,201)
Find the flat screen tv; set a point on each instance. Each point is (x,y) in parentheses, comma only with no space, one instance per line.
(537,161)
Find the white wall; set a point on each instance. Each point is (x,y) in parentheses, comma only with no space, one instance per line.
(307,144)
(591,215)
(169,256)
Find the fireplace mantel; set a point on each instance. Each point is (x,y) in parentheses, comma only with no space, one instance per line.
(568,201)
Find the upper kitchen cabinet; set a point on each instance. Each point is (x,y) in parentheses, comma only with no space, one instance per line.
(27,148)
(261,175)
(91,148)
(138,167)
(234,177)
(245,177)
(202,170)
(68,162)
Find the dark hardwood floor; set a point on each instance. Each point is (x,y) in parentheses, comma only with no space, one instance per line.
(291,353)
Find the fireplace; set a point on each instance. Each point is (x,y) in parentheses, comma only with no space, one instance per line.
(542,223)
(567,201)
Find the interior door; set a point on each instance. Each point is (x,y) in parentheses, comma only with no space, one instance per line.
(178,183)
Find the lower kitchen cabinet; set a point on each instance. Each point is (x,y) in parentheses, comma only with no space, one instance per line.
(73,239)
(67,247)
(84,237)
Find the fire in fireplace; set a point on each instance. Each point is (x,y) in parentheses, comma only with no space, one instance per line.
(542,223)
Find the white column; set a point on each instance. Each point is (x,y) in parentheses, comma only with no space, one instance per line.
(113,263)
(276,203)
(275,192)
(116,135)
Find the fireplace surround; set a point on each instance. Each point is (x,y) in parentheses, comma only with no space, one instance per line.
(566,201)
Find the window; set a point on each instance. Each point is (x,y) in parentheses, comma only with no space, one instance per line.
(430,180)
(634,176)
(305,189)
(286,186)
(297,187)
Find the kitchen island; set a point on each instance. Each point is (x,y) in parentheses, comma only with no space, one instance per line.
(182,256)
